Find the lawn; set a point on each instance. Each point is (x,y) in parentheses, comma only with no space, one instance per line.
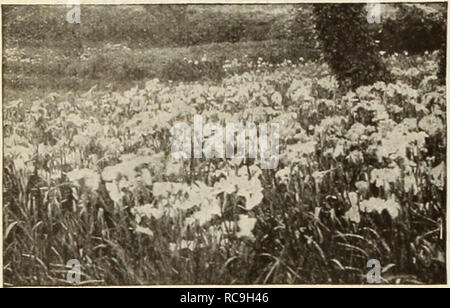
(34,71)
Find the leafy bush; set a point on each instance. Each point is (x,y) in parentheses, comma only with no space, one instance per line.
(414,28)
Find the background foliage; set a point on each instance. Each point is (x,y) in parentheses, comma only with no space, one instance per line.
(87,173)
(129,44)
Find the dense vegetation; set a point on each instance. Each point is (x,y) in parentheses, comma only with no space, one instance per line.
(126,45)
(361,176)
(355,60)
(88,175)
(414,28)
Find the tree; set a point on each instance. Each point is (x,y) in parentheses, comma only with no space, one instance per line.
(347,44)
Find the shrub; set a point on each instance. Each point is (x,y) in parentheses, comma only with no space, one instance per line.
(414,28)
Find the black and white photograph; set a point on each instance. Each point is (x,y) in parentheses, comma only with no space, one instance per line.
(218,144)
